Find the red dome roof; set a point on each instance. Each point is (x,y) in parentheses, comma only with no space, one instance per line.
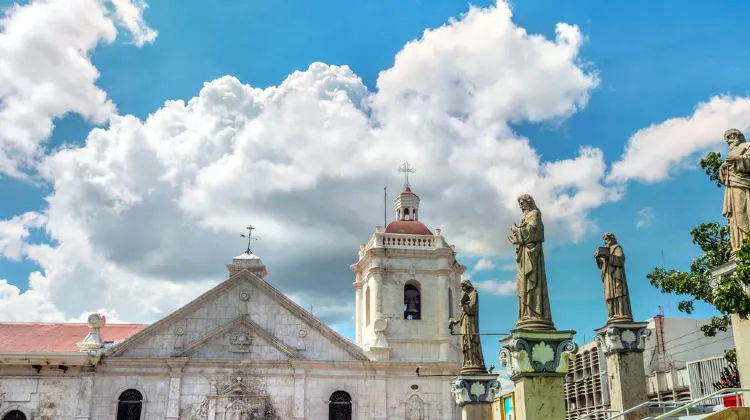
(407,191)
(410,227)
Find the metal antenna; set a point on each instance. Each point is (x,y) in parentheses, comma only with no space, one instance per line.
(249,237)
(406,169)
(385,206)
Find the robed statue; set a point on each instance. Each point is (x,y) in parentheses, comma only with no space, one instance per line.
(531,281)
(611,261)
(471,346)
(734,173)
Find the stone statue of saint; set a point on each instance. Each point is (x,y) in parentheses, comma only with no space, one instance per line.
(611,261)
(734,173)
(471,346)
(531,282)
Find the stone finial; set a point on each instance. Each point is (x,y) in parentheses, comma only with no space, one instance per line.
(93,340)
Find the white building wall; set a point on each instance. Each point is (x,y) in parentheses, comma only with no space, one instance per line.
(684,342)
(375,394)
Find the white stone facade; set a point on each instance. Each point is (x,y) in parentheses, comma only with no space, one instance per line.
(387,264)
(244,345)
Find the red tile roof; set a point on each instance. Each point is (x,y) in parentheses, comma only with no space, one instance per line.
(50,337)
(411,227)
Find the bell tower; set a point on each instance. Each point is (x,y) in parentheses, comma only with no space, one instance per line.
(407,288)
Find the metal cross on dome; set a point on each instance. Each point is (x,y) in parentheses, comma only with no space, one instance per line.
(249,237)
(406,169)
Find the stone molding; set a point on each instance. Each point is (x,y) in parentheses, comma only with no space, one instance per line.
(623,337)
(283,366)
(262,287)
(538,353)
(475,389)
(52,358)
(241,330)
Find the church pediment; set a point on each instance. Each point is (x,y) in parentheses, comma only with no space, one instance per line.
(256,310)
(241,338)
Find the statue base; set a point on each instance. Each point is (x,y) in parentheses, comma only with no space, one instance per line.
(535,324)
(622,344)
(474,393)
(537,362)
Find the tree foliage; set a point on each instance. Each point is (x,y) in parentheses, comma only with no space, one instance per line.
(727,294)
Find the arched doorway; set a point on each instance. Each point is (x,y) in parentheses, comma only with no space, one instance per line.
(340,406)
(14,415)
(129,405)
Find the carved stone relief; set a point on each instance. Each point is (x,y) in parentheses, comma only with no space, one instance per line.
(236,399)
(241,341)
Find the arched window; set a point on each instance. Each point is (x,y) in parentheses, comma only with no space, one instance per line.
(450,303)
(129,405)
(412,301)
(367,306)
(14,415)
(340,406)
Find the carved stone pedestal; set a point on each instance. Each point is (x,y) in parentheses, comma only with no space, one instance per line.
(623,344)
(474,393)
(537,362)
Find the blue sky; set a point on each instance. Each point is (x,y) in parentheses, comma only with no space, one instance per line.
(654,62)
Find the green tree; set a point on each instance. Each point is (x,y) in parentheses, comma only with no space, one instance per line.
(727,295)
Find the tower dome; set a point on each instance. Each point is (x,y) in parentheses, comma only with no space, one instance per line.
(407,215)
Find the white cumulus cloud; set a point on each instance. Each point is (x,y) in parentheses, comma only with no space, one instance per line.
(146,212)
(653,153)
(484,264)
(497,287)
(46,73)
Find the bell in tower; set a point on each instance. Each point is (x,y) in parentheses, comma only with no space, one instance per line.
(412,308)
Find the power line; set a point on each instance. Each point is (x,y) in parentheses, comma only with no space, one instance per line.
(698,346)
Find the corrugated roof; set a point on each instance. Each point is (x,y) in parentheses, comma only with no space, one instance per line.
(51,337)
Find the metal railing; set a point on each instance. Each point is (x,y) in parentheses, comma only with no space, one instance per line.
(647,404)
(630,410)
(601,410)
(686,407)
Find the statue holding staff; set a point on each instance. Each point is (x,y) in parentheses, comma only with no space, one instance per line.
(471,346)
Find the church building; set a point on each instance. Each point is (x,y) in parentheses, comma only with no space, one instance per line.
(244,350)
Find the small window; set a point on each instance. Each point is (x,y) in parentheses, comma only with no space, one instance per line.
(412,302)
(14,415)
(340,406)
(129,405)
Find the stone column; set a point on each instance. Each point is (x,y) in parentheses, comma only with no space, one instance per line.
(474,394)
(537,362)
(442,314)
(358,309)
(299,395)
(85,394)
(740,327)
(175,385)
(376,293)
(741,333)
(623,344)
(381,391)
